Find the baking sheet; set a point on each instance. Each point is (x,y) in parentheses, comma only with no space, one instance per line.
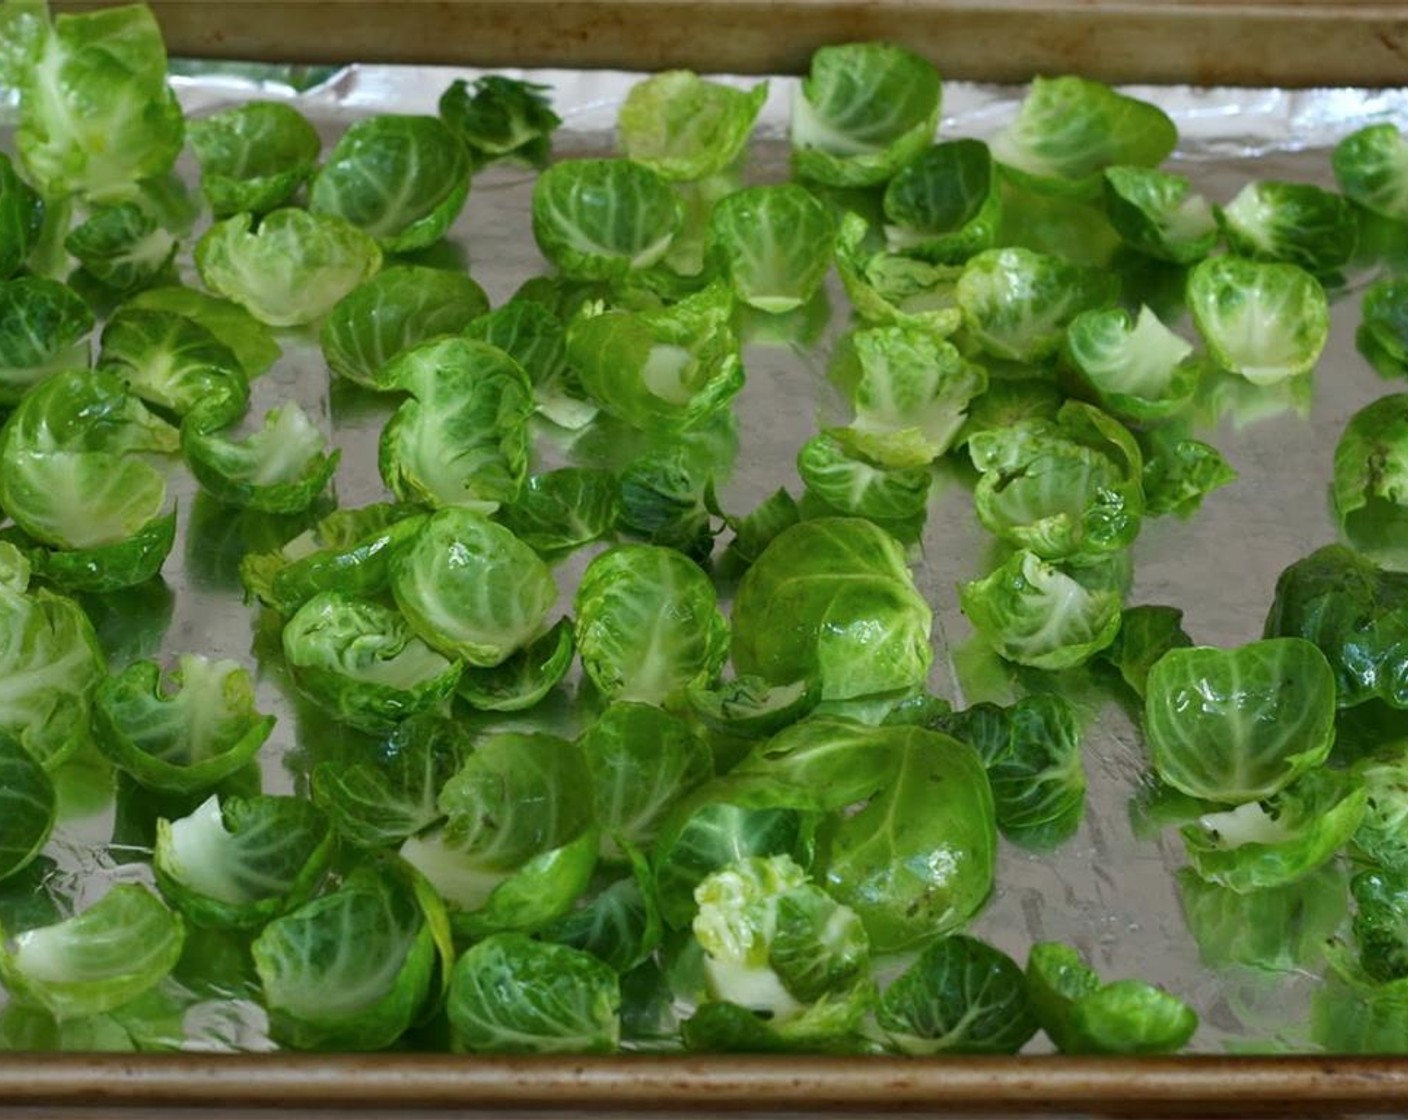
(1107,892)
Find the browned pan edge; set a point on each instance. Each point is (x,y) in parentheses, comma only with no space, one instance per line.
(1332,42)
(1188,1086)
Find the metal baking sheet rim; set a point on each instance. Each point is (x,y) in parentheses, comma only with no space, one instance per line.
(740,1084)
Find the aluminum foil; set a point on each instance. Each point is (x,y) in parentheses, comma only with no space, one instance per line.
(1108,892)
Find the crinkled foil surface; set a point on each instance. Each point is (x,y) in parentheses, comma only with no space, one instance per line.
(1107,892)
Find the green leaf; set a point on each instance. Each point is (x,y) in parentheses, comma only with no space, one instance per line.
(512,995)
(1265,322)
(461,438)
(1082,1015)
(1017,303)
(1069,129)
(240,864)
(863,111)
(685,127)
(1032,752)
(601,219)
(642,761)
(835,468)
(961,996)
(44,328)
(619,923)
(122,246)
(21,212)
(181,730)
(401,179)
(471,589)
(362,663)
(96,114)
(385,798)
(1037,614)
(1356,613)
(1381,924)
(774,243)
(173,363)
(282,467)
(253,157)
(648,624)
(524,678)
(833,598)
(504,118)
(675,367)
(1280,929)
(560,511)
(1277,841)
(1146,633)
(944,206)
(350,970)
(50,665)
(1371,167)
(292,270)
(393,311)
(28,805)
(98,960)
(1136,368)
(1233,726)
(245,336)
(1297,223)
(1157,213)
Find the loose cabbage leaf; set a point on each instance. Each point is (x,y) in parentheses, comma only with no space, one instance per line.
(350,970)
(123,247)
(503,118)
(602,219)
(362,664)
(1356,613)
(390,795)
(1259,845)
(1298,223)
(1371,167)
(774,243)
(863,111)
(512,995)
(944,206)
(241,863)
(402,179)
(833,598)
(290,271)
(28,805)
(173,363)
(253,157)
(648,624)
(524,678)
(1157,213)
(96,114)
(461,439)
(1082,1015)
(472,589)
(1265,322)
(685,127)
(1069,129)
(180,730)
(398,308)
(1234,726)
(280,468)
(1370,481)
(642,760)
(1032,752)
(44,328)
(961,996)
